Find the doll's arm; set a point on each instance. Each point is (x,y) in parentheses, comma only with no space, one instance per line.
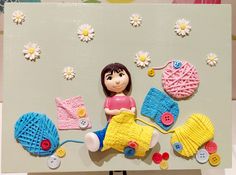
(112,112)
(133,104)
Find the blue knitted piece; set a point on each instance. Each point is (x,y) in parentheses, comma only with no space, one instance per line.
(31,128)
(156,103)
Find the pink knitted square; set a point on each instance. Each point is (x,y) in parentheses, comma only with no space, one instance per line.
(67,113)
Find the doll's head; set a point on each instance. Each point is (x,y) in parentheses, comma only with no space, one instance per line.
(115,78)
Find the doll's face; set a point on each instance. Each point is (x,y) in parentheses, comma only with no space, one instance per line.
(116,81)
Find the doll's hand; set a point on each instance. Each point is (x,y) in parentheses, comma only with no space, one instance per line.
(127,110)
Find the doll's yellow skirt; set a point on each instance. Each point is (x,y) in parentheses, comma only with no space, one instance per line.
(122,129)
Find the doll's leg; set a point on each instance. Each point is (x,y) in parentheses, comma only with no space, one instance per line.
(94,140)
(155,138)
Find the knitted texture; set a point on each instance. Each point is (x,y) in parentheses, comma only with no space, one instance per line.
(197,130)
(122,129)
(31,129)
(67,113)
(181,82)
(156,103)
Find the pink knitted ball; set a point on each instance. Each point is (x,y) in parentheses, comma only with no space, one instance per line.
(180,79)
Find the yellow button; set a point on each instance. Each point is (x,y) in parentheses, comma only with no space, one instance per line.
(151,72)
(214,159)
(164,165)
(61,152)
(81,112)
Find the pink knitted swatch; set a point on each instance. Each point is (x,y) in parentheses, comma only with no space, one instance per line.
(181,82)
(66,113)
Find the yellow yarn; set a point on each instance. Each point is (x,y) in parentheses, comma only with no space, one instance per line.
(122,129)
(197,130)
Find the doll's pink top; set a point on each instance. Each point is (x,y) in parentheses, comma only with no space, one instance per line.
(118,102)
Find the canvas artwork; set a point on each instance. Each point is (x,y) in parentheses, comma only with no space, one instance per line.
(91,87)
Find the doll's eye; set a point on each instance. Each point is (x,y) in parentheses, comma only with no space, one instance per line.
(121,74)
(109,78)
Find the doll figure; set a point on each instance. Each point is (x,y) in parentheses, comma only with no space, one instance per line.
(120,109)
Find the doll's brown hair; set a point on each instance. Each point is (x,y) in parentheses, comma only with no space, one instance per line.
(115,67)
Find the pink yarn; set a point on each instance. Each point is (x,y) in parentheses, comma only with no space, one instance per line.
(182,82)
(66,113)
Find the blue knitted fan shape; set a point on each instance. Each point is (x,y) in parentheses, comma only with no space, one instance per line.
(32,128)
(156,103)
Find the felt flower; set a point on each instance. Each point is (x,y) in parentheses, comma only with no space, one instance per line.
(142,59)
(211,59)
(69,73)
(31,51)
(182,27)
(135,20)
(18,17)
(86,32)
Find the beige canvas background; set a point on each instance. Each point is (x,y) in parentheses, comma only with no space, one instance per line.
(233,2)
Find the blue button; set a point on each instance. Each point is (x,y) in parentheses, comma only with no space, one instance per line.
(177,146)
(129,152)
(177,64)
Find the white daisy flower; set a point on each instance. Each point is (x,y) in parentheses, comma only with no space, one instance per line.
(69,73)
(18,17)
(135,20)
(31,51)
(142,59)
(212,59)
(86,33)
(182,27)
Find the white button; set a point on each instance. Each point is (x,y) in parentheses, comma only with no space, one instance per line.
(202,156)
(54,162)
(83,123)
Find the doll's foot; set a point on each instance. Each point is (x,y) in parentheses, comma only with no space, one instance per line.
(155,138)
(92,142)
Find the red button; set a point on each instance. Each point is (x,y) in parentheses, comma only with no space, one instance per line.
(133,144)
(165,156)
(45,145)
(167,119)
(157,158)
(211,147)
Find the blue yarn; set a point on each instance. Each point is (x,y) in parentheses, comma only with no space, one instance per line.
(31,128)
(156,103)
(68,141)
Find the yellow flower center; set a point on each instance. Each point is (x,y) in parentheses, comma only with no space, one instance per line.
(183,26)
(142,58)
(31,50)
(212,58)
(69,72)
(85,32)
(18,17)
(136,18)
